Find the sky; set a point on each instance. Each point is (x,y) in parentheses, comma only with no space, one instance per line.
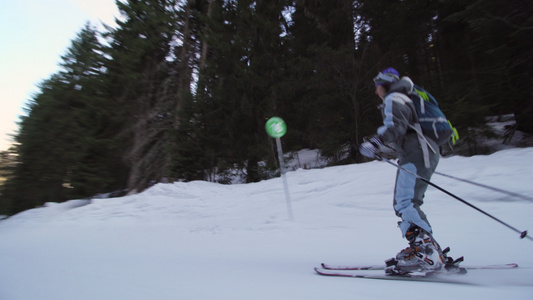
(33,36)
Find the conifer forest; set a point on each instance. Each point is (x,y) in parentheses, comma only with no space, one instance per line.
(181,89)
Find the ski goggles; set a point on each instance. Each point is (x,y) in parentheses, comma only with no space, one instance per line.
(385,78)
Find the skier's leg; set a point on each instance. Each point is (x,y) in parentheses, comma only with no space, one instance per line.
(408,197)
(423,251)
(409,191)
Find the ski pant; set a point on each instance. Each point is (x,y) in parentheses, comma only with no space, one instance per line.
(409,190)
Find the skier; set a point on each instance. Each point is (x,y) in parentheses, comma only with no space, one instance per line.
(418,154)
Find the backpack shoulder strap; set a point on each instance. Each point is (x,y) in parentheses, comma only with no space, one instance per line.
(424,143)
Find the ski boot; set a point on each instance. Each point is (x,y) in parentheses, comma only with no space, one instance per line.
(423,254)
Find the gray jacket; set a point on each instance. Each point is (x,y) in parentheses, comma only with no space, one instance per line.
(400,122)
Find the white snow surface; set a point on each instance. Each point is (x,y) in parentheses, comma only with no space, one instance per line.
(201,240)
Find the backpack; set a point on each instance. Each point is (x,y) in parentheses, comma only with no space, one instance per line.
(431,118)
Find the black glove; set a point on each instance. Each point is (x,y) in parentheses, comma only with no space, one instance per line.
(371,146)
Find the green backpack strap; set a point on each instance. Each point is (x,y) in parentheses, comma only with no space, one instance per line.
(455,133)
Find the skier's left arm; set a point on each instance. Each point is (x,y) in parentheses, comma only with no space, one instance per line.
(396,118)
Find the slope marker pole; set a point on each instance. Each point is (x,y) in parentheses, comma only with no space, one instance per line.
(276,128)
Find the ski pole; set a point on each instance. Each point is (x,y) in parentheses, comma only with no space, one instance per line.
(487,187)
(523,234)
(480,184)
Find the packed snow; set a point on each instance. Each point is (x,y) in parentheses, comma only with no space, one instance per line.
(202,240)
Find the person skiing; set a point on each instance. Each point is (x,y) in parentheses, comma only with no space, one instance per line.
(417,154)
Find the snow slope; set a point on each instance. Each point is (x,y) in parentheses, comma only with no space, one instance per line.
(202,240)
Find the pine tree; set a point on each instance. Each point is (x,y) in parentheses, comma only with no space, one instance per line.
(499,53)
(95,166)
(141,84)
(236,88)
(60,153)
(323,106)
(7,166)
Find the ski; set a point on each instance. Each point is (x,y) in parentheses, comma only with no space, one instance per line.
(382,267)
(426,277)
(352,268)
